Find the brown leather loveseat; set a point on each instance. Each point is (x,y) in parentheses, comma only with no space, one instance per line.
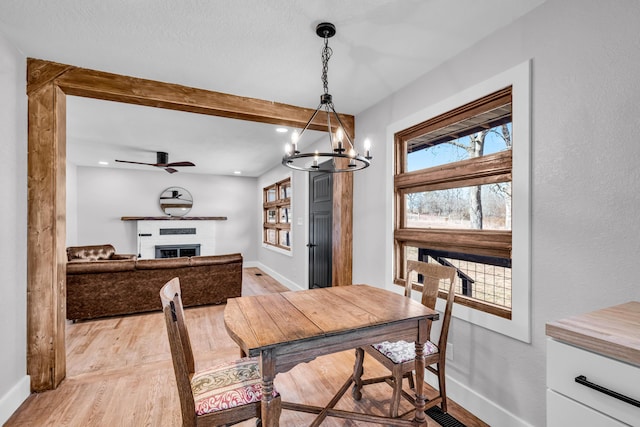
(102,283)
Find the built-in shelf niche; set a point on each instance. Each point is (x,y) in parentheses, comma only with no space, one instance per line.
(277,214)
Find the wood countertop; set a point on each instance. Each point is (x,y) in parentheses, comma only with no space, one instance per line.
(612,331)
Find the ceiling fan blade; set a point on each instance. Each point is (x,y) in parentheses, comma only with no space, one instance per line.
(174,164)
(162,162)
(136,163)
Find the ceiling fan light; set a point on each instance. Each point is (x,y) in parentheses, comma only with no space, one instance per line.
(162,158)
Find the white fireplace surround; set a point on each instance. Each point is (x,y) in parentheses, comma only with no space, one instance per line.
(149,235)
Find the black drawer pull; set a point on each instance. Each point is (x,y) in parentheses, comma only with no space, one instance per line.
(581,379)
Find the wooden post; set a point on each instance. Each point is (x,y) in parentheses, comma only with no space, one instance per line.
(342,234)
(46,259)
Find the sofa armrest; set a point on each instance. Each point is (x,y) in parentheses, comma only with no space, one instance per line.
(215,259)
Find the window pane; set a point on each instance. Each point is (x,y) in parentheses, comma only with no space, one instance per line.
(423,155)
(483,207)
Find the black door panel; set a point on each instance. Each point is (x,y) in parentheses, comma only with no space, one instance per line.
(320,228)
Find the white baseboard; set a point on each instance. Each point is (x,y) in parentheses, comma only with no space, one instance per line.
(483,408)
(280,278)
(14,398)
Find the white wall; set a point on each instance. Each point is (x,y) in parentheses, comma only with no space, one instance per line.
(72,205)
(105,195)
(289,268)
(14,382)
(585,180)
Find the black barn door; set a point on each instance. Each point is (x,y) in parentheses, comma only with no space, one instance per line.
(320,228)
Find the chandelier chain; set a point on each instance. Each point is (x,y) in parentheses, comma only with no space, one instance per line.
(326,54)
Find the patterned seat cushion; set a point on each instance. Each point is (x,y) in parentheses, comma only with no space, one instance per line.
(227,386)
(402,351)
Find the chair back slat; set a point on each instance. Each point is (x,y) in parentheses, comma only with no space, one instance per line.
(433,275)
(180,345)
(171,293)
(448,310)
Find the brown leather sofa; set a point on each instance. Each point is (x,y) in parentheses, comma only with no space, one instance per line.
(102,283)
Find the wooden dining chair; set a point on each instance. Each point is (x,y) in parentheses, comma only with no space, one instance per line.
(224,394)
(399,356)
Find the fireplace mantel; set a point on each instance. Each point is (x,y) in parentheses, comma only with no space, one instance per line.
(173,218)
(159,231)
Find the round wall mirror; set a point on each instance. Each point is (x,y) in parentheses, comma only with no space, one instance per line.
(176,201)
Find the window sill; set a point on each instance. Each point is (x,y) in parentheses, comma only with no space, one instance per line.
(278,250)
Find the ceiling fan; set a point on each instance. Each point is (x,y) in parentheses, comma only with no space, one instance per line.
(162,162)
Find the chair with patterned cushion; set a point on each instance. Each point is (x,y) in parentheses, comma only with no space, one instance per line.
(224,394)
(399,356)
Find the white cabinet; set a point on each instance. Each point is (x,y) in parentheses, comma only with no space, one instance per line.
(593,368)
(562,411)
(572,403)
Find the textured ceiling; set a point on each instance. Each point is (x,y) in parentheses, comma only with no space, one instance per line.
(255,48)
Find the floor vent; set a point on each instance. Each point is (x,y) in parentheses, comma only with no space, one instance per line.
(445,420)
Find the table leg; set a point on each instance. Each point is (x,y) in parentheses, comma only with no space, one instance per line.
(358,370)
(269,409)
(420,398)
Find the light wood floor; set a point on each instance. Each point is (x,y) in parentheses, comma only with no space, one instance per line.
(119,373)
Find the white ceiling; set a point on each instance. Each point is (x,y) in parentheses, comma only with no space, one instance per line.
(255,48)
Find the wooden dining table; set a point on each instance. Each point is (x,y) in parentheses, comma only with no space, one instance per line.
(288,328)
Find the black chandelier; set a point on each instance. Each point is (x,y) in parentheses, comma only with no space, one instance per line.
(343,156)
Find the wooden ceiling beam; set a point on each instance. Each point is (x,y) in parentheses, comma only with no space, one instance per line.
(132,90)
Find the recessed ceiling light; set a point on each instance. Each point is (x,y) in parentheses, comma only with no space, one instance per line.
(282,130)
(102,162)
(237,172)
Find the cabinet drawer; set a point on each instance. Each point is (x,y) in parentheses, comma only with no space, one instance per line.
(563,412)
(566,362)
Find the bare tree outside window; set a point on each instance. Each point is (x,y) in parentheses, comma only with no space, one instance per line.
(474,146)
(478,207)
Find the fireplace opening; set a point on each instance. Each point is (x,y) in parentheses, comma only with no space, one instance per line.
(174,251)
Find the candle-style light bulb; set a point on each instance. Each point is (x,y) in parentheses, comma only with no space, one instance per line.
(367,148)
(339,136)
(295,136)
(315,160)
(352,154)
(287,149)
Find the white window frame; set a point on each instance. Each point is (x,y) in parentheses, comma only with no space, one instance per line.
(519,77)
